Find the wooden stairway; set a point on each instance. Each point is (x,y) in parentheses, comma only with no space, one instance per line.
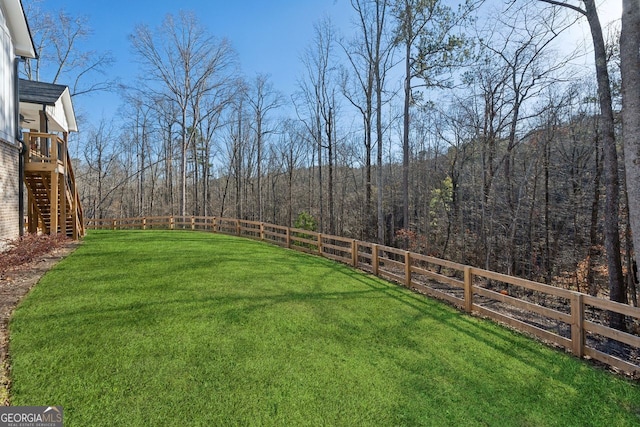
(53,204)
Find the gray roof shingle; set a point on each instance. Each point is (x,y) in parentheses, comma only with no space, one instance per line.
(39,92)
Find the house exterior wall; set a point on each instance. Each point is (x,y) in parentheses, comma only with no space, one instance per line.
(7,99)
(9,193)
(9,151)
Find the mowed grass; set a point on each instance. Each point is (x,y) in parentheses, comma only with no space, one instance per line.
(183,328)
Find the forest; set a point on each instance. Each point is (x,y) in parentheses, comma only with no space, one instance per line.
(472,132)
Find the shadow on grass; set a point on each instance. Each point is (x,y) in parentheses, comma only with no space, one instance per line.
(291,262)
(227,288)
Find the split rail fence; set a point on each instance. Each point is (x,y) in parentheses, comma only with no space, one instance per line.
(572,320)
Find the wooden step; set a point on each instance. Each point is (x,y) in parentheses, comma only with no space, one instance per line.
(40,188)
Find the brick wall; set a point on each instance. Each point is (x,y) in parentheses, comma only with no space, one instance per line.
(9,204)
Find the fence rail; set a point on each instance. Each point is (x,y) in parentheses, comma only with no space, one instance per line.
(572,320)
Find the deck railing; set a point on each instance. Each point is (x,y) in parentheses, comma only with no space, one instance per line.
(48,154)
(571,320)
(44,148)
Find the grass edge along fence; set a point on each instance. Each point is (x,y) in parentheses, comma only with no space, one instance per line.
(572,320)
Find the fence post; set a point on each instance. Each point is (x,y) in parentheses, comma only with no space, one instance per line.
(354,253)
(238,227)
(288,237)
(320,244)
(262,231)
(468,289)
(407,269)
(374,259)
(215,224)
(114,224)
(193,222)
(144,222)
(171,222)
(577,324)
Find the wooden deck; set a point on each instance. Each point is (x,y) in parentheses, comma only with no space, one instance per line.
(53,201)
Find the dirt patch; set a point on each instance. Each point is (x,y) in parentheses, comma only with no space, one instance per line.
(15,282)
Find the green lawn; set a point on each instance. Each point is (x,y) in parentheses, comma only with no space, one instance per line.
(164,328)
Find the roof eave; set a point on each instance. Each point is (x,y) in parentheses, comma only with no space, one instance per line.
(19,28)
(69,112)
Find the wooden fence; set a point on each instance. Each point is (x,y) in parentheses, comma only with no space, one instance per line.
(572,320)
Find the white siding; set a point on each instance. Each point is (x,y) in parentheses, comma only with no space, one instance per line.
(7,101)
(9,218)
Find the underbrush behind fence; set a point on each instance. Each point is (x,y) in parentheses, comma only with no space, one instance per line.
(571,320)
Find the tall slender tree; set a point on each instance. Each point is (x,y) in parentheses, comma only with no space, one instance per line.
(264,99)
(630,69)
(317,107)
(370,57)
(181,63)
(425,31)
(610,161)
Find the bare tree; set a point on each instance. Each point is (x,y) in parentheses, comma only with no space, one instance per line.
(100,159)
(370,57)
(138,128)
(523,53)
(237,158)
(263,100)
(58,37)
(317,107)
(293,147)
(612,181)
(182,63)
(426,33)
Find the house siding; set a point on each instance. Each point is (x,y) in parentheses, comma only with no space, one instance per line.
(9,192)
(7,98)
(9,174)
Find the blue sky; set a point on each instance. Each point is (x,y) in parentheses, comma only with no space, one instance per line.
(268,35)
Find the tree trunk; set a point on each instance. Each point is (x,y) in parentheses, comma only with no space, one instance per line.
(379,137)
(183,165)
(593,229)
(611,225)
(259,163)
(405,136)
(368,210)
(169,169)
(330,149)
(320,191)
(630,69)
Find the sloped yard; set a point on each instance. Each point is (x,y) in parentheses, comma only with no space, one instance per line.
(184,328)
